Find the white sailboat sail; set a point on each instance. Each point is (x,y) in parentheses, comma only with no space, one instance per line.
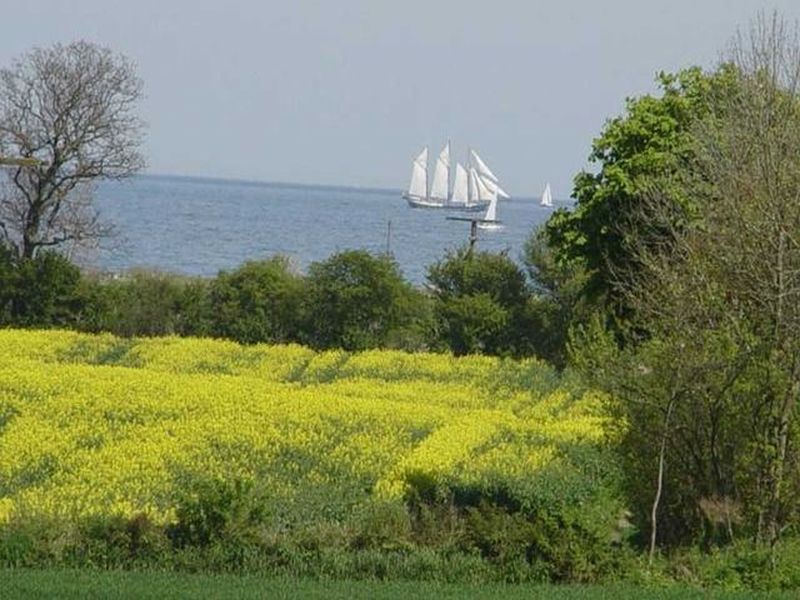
(473,196)
(491,212)
(483,170)
(486,191)
(460,186)
(418,188)
(547,197)
(495,187)
(441,176)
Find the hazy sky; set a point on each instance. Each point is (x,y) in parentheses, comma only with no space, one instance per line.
(347,92)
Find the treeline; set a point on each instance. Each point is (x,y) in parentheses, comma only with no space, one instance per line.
(680,264)
(473,302)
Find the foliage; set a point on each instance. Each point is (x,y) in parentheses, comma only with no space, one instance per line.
(557,302)
(708,381)
(146,303)
(41,291)
(357,301)
(258,302)
(6,281)
(480,303)
(649,146)
(211,511)
(472,324)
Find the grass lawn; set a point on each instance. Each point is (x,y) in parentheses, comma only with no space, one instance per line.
(27,583)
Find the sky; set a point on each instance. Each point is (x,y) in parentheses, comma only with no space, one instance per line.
(347,92)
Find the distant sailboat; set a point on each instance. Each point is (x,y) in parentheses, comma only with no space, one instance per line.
(489,220)
(473,188)
(547,197)
(439,196)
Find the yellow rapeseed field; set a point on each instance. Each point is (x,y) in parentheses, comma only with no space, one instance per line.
(99,425)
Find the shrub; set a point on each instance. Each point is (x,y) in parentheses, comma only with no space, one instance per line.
(472,324)
(143,303)
(358,301)
(209,511)
(480,302)
(42,291)
(6,282)
(261,301)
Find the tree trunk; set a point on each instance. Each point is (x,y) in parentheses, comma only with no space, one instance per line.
(660,485)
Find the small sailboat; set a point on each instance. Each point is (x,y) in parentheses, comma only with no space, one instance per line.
(473,188)
(547,197)
(489,220)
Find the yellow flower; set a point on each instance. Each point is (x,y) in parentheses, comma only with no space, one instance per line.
(98,425)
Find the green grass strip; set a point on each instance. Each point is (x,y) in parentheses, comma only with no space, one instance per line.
(66,584)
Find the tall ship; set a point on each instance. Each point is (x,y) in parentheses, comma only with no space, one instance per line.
(474,186)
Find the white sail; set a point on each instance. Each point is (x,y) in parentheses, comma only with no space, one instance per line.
(495,187)
(491,212)
(486,191)
(483,170)
(474,197)
(460,186)
(547,197)
(441,176)
(418,188)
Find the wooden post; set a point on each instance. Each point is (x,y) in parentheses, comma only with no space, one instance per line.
(473,229)
(473,234)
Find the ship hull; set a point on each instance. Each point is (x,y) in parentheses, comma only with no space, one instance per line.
(417,202)
(490,225)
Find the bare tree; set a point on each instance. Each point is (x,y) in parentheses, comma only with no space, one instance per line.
(71,110)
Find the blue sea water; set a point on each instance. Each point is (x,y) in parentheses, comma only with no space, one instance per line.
(199,226)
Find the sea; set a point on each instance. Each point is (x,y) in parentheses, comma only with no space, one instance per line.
(201,226)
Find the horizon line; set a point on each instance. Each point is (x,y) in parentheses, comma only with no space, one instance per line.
(266,183)
(295,184)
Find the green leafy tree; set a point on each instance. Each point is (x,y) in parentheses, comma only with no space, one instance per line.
(650,146)
(42,291)
(480,303)
(356,301)
(261,301)
(556,302)
(711,391)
